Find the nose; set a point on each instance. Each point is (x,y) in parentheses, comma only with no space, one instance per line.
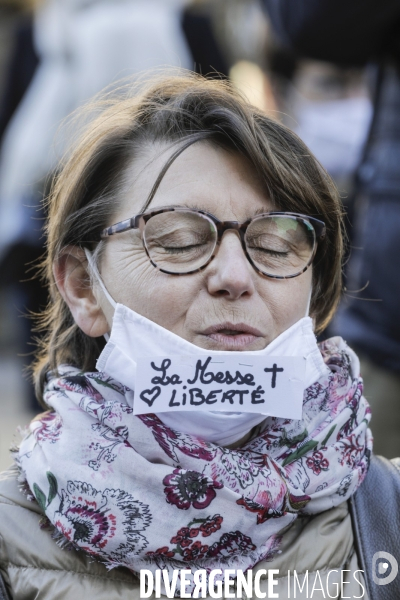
(230,274)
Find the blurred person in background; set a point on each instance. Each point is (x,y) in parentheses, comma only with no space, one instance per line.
(353,33)
(18,58)
(18,291)
(18,62)
(329,107)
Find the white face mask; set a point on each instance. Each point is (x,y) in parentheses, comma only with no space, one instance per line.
(137,350)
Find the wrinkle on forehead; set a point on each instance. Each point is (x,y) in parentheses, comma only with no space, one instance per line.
(141,175)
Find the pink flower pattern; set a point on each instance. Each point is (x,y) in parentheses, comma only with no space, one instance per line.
(317,463)
(189,488)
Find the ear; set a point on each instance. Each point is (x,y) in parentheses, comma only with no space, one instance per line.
(74,284)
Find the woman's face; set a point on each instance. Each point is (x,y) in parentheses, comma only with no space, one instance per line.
(228,305)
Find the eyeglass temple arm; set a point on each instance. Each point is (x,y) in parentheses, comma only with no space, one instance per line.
(132,223)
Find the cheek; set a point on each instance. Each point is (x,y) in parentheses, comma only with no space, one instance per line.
(169,300)
(162,298)
(287,300)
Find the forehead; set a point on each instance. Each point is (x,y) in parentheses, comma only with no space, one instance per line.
(203,176)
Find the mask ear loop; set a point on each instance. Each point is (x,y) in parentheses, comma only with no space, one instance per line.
(95,272)
(308,303)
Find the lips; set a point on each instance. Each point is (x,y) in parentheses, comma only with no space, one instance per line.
(232,336)
(232,329)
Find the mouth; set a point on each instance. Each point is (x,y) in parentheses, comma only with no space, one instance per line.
(232,336)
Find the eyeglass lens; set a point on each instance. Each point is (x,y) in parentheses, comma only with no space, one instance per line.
(182,242)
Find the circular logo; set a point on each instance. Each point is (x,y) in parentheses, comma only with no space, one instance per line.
(384,568)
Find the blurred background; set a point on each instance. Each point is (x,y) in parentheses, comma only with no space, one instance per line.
(327,70)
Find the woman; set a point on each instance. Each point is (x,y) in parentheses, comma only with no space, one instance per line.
(187,230)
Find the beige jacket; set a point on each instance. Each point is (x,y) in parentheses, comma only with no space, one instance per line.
(319,549)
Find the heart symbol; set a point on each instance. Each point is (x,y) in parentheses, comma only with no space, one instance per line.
(149,396)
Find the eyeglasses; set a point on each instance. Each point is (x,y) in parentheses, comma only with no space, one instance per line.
(180,241)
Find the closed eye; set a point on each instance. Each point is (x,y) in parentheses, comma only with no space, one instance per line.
(180,249)
(270,252)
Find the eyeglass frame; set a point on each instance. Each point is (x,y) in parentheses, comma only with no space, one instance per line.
(139,222)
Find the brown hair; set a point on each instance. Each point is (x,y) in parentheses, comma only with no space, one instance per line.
(181,110)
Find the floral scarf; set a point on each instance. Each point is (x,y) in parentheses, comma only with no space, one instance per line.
(130,491)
